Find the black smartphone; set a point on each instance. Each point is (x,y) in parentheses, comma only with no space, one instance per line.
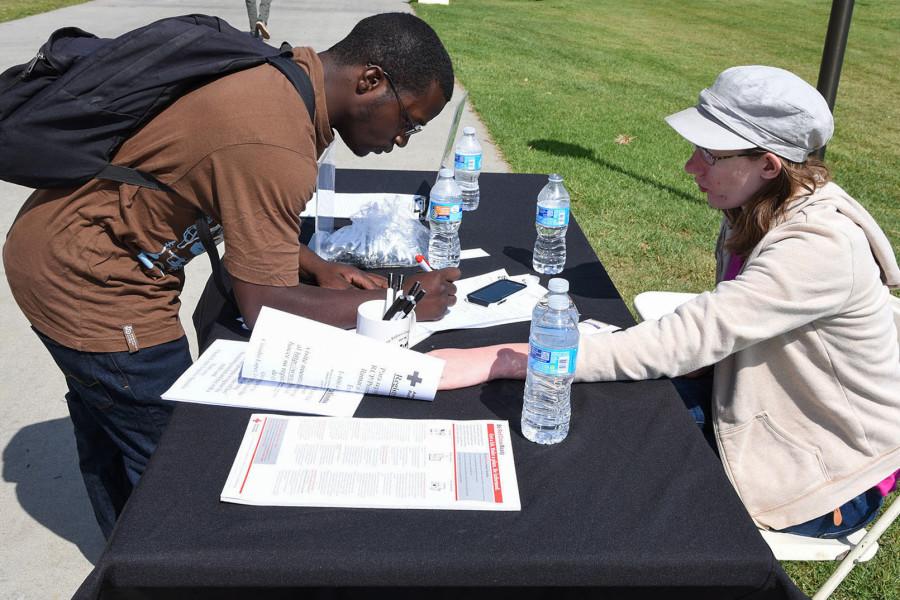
(495,293)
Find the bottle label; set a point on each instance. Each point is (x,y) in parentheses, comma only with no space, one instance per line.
(443,210)
(552,362)
(552,217)
(467,162)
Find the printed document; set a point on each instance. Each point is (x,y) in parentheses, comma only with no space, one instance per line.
(288,348)
(215,379)
(374,463)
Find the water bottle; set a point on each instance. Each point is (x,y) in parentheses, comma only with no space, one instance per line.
(467,163)
(558,285)
(552,353)
(444,216)
(551,222)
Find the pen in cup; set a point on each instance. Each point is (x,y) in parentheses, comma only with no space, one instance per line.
(389,293)
(394,308)
(409,306)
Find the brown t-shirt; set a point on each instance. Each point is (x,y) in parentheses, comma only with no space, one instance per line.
(241,150)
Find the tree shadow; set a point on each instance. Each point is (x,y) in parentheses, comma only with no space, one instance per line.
(41,460)
(575,151)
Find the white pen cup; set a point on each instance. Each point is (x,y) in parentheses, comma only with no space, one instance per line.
(370,323)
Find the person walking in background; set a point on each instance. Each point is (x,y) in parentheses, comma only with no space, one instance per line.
(241,150)
(799,331)
(258,14)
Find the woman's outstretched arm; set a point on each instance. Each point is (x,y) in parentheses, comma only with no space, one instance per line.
(471,366)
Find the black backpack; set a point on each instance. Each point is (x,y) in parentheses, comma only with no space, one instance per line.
(64,115)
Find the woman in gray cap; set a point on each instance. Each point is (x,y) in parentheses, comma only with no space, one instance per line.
(800,329)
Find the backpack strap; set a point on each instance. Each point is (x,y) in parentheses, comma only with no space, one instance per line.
(207,240)
(301,82)
(284,63)
(298,78)
(132,176)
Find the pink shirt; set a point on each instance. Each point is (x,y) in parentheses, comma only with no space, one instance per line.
(734,266)
(887,486)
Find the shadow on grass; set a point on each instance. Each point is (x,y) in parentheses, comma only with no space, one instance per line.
(576,151)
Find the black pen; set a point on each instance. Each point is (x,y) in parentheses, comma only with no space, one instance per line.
(409,306)
(394,308)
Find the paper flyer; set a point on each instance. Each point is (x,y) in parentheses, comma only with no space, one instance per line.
(374,463)
(215,379)
(289,348)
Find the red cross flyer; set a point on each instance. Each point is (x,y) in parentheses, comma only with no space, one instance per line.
(374,463)
(291,349)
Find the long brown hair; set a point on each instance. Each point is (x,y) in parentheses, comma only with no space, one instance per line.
(766,208)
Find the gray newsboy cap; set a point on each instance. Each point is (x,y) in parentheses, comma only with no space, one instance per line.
(758,107)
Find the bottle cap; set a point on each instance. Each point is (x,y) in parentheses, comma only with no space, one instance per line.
(559,302)
(445,172)
(555,177)
(558,285)
(468,131)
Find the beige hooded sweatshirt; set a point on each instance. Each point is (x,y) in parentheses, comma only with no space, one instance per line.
(806,398)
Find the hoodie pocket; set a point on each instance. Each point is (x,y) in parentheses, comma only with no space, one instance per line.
(768,466)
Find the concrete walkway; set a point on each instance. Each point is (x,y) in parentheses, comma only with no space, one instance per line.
(48,536)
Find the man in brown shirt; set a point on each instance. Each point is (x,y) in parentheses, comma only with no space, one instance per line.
(241,150)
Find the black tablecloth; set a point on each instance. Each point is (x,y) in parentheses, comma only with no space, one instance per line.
(632,504)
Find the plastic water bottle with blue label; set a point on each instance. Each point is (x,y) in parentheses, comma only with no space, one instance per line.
(552,355)
(552,222)
(445,217)
(467,164)
(558,285)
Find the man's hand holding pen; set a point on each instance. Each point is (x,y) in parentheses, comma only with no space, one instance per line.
(440,292)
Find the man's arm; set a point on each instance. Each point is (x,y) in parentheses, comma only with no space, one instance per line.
(338,306)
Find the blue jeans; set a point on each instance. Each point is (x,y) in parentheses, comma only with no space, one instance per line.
(117,415)
(696,393)
(856,514)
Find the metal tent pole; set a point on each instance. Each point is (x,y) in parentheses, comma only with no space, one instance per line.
(833,54)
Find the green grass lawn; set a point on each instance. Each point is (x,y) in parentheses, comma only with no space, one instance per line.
(16,9)
(580,87)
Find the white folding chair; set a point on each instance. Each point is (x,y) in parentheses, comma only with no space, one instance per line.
(858,547)
(653,305)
